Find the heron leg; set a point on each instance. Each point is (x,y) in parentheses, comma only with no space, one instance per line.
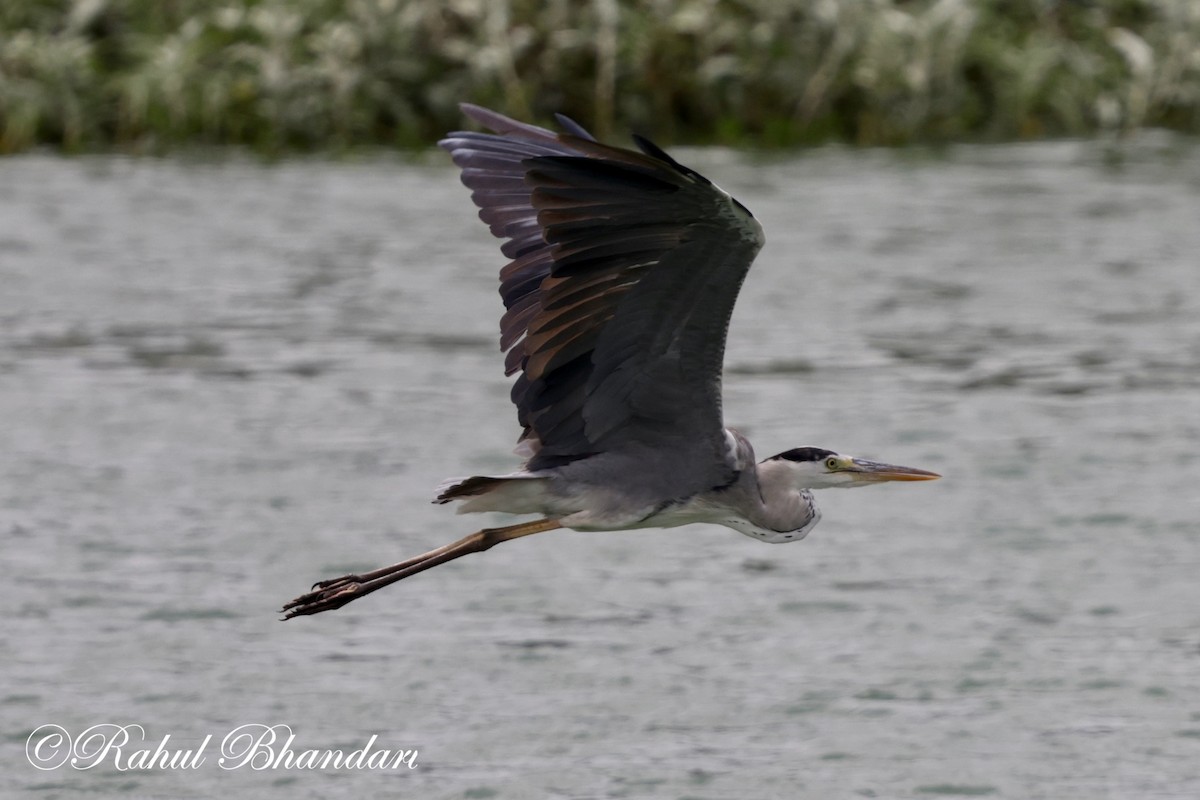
(337,592)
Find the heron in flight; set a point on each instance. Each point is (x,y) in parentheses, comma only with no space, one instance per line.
(624,270)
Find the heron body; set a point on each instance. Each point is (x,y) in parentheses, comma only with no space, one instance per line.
(623,273)
(588,503)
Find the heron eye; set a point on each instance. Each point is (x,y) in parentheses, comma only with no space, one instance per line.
(831,463)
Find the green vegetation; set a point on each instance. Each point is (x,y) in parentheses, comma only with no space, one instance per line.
(146,75)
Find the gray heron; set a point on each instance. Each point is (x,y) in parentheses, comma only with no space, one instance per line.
(624,270)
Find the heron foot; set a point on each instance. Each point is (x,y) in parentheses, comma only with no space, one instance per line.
(326,596)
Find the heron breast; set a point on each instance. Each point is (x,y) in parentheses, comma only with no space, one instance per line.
(767,534)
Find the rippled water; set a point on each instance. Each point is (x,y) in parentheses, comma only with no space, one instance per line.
(222,381)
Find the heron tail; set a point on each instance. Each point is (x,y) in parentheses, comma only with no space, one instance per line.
(518,493)
(458,488)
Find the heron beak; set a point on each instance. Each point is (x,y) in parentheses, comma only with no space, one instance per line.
(875,472)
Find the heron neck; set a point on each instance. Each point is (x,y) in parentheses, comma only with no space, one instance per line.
(780,504)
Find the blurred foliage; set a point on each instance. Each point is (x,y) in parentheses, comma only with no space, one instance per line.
(303,74)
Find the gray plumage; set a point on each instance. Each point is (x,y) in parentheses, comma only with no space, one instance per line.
(624,270)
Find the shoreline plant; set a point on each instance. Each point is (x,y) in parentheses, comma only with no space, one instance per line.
(300,75)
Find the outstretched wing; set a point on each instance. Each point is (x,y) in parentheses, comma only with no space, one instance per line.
(625,269)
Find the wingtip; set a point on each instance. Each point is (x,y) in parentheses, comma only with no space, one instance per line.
(574,128)
(654,151)
(478,114)
(499,123)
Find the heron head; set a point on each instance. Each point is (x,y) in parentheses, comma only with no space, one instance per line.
(815,468)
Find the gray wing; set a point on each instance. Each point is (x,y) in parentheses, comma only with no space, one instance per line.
(625,269)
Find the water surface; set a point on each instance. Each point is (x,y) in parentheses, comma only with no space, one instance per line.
(222,381)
